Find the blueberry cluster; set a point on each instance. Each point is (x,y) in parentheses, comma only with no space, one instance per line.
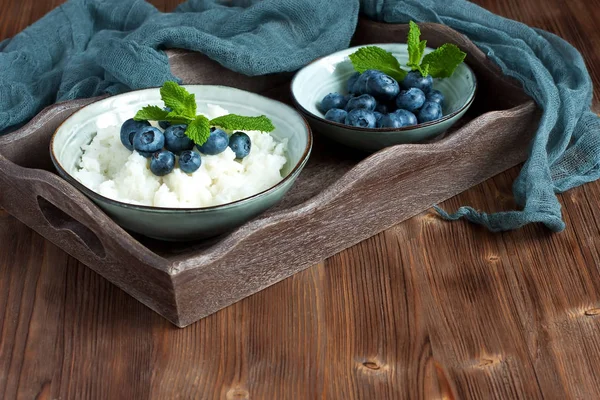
(163,148)
(376,100)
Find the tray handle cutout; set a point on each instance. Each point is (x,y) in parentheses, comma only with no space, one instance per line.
(49,205)
(60,220)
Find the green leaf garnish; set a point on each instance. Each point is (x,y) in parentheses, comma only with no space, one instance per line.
(183,106)
(198,130)
(440,63)
(152,113)
(373,57)
(444,60)
(423,69)
(416,47)
(241,123)
(179,100)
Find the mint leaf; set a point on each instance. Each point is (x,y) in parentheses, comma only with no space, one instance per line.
(443,61)
(416,46)
(198,130)
(373,57)
(151,113)
(183,111)
(424,69)
(240,123)
(174,118)
(156,113)
(179,100)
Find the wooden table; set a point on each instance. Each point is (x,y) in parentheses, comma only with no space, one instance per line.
(427,309)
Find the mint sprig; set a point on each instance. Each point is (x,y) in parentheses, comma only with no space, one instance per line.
(441,63)
(373,57)
(183,106)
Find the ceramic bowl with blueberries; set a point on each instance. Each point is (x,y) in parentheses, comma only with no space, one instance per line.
(183,163)
(371,97)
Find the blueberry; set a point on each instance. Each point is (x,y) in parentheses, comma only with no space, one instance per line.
(382,87)
(361,84)
(189,161)
(430,111)
(361,118)
(378,117)
(407,118)
(165,124)
(148,140)
(217,142)
(436,96)
(411,99)
(352,81)
(175,139)
(129,129)
(162,162)
(336,115)
(332,100)
(365,101)
(414,79)
(390,121)
(240,143)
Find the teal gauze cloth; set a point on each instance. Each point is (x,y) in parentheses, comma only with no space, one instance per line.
(90,47)
(85,48)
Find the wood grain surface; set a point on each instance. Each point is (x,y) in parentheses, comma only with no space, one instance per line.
(427,309)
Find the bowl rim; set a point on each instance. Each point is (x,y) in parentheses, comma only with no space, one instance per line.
(94,195)
(445,118)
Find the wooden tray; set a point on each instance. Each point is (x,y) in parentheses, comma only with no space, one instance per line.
(341,198)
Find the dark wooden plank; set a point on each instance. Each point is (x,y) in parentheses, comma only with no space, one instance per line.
(538,287)
(424,309)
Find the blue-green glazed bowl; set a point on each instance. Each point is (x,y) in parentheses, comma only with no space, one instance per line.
(330,74)
(179,224)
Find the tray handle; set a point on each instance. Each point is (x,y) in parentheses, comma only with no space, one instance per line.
(49,205)
(61,221)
